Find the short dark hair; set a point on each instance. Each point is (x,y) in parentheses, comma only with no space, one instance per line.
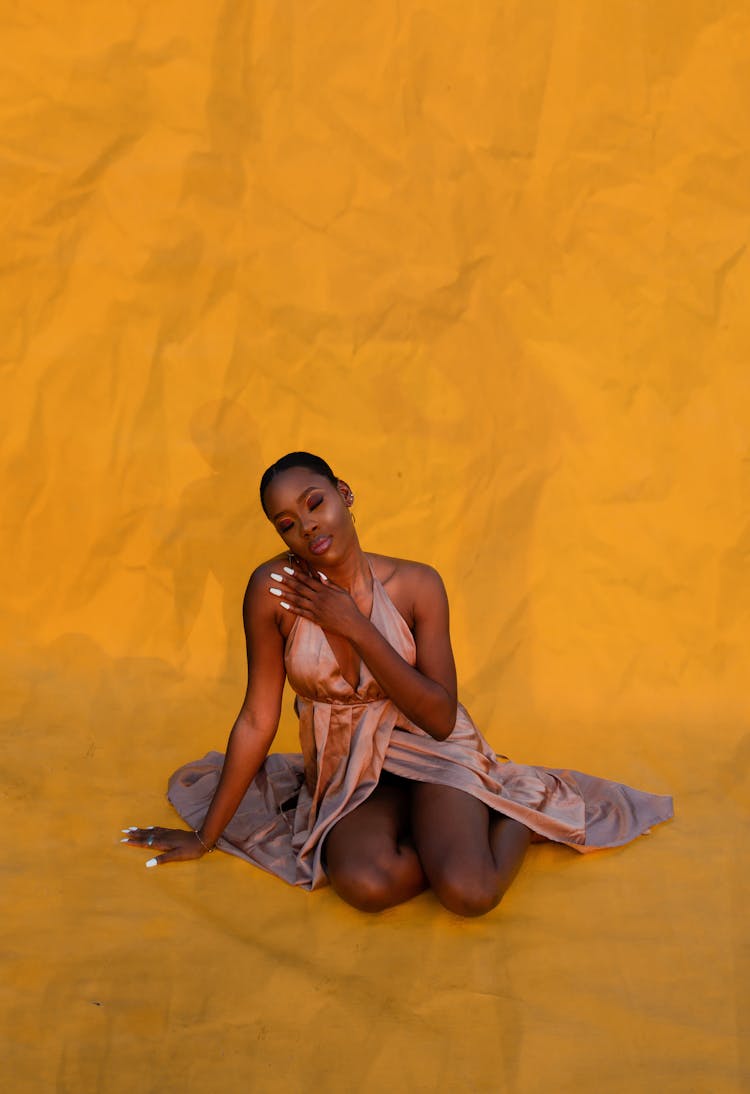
(295,459)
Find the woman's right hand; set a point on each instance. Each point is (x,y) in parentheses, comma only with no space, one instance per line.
(176,844)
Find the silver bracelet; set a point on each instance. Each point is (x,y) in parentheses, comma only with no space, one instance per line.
(200,841)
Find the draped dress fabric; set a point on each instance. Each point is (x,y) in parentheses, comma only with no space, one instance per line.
(350,735)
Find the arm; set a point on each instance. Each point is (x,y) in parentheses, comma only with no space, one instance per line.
(426,693)
(252,733)
(258,719)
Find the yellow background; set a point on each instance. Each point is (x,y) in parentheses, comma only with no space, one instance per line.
(490,260)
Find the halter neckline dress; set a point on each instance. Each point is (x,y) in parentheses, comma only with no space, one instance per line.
(350,735)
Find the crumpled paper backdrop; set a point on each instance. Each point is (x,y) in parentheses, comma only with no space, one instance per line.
(490,260)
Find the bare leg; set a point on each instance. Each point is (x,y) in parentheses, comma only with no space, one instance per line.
(370,859)
(469,853)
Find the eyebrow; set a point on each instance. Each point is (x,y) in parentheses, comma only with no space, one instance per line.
(299,499)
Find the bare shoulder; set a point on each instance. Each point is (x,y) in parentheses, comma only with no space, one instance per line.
(273,565)
(257,602)
(404,570)
(411,585)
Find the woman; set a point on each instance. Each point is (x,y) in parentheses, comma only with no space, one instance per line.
(396,790)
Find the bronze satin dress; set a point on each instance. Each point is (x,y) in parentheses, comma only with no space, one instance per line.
(348,736)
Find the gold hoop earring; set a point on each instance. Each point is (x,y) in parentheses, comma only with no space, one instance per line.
(354,519)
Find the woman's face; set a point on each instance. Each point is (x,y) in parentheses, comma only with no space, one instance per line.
(311,515)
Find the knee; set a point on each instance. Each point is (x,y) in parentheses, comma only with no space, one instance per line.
(367,886)
(468,892)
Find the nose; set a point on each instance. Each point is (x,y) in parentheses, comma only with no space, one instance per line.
(309,524)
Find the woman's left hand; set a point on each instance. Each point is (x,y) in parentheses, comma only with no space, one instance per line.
(320,600)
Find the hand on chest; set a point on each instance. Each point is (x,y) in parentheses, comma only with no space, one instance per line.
(349,661)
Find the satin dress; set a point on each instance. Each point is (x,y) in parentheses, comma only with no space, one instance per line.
(350,735)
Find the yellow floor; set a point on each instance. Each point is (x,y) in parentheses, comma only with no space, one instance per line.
(490,261)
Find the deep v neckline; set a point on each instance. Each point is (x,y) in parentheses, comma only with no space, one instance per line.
(358,687)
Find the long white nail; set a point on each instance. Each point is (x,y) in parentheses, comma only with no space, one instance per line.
(277,577)
(124,841)
(323,576)
(287,570)
(285,605)
(151,862)
(276,592)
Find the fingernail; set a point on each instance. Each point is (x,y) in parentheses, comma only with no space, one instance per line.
(287,570)
(124,841)
(284,604)
(149,827)
(151,862)
(277,577)
(276,592)
(323,576)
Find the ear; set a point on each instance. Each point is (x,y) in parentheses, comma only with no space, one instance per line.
(346,493)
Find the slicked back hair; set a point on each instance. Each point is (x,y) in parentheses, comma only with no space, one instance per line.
(295,459)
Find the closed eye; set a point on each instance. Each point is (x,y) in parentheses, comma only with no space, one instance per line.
(313,501)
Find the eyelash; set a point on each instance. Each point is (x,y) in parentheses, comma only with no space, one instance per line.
(287,527)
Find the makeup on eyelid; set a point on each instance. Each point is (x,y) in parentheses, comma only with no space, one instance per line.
(313,501)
